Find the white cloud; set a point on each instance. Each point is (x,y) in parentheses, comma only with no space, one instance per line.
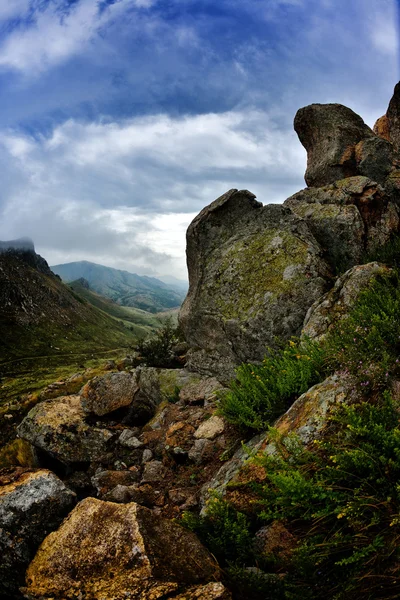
(124,193)
(13,8)
(55,35)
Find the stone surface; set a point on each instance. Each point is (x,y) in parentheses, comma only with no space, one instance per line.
(329,133)
(393,118)
(210,429)
(58,426)
(102,395)
(210,591)
(154,471)
(32,504)
(113,552)
(254,271)
(200,451)
(348,218)
(105,481)
(201,392)
(129,440)
(337,303)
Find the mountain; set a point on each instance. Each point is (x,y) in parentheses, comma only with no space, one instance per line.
(124,288)
(41,316)
(139,321)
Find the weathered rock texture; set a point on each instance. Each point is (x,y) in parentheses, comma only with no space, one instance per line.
(105,394)
(388,126)
(32,504)
(339,144)
(349,218)
(253,272)
(59,427)
(113,552)
(336,304)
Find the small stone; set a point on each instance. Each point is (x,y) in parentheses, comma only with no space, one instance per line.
(199,451)
(210,429)
(147,455)
(153,471)
(129,440)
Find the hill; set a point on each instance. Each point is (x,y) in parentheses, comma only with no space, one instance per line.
(139,321)
(41,317)
(124,288)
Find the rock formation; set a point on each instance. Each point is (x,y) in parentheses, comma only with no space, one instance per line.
(253,272)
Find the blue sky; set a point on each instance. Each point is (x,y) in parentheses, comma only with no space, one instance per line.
(120,120)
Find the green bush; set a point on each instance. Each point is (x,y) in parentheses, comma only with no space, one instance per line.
(261,392)
(156,351)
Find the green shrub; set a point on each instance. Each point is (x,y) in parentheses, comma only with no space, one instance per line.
(156,351)
(261,392)
(367,343)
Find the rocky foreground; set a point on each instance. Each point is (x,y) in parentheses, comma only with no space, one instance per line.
(92,516)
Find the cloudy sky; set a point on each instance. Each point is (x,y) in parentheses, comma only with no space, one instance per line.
(121,119)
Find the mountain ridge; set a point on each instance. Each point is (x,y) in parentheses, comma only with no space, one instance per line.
(124,288)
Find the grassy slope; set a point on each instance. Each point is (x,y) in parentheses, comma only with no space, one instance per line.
(142,322)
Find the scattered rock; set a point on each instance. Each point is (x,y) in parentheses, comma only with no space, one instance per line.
(393,118)
(105,481)
(180,434)
(129,440)
(330,133)
(113,552)
(210,429)
(147,455)
(102,395)
(32,504)
(254,271)
(153,471)
(200,451)
(275,540)
(59,428)
(337,303)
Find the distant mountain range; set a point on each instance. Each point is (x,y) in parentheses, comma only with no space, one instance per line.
(124,288)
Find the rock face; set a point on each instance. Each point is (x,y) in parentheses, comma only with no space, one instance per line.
(253,272)
(110,551)
(32,504)
(388,126)
(59,427)
(103,395)
(330,134)
(349,218)
(337,303)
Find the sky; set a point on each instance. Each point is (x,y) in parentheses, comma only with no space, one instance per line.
(121,119)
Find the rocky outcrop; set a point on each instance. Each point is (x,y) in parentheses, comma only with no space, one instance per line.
(32,504)
(105,394)
(349,218)
(336,304)
(253,272)
(110,551)
(339,144)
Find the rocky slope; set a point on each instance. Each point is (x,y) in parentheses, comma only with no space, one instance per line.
(141,446)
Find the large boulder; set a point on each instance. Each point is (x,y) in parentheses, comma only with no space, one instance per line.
(59,427)
(339,144)
(336,304)
(102,395)
(254,271)
(32,504)
(349,218)
(113,552)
